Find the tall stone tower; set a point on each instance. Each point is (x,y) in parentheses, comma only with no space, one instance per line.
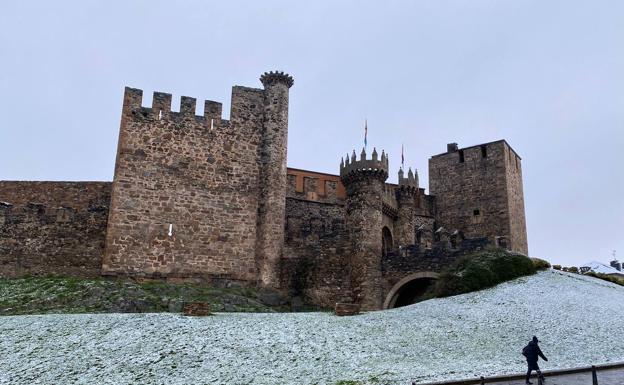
(364,180)
(478,190)
(406,194)
(272,203)
(200,195)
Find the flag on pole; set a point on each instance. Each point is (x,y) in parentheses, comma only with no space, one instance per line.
(365,131)
(402,157)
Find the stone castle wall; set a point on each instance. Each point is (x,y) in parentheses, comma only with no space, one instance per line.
(515,193)
(52,228)
(199,176)
(200,196)
(314,264)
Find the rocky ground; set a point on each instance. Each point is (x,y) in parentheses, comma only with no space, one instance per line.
(578,319)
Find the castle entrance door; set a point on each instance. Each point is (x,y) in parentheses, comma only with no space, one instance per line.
(410,289)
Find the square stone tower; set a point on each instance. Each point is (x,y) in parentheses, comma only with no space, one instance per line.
(200,195)
(478,190)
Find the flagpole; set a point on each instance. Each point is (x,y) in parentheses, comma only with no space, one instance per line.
(365,132)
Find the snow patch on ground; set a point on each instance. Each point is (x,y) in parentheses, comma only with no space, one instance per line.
(576,319)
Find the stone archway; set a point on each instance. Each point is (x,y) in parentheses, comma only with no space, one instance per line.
(407,290)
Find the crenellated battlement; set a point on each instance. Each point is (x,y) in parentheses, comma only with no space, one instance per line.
(408,187)
(161,107)
(276,77)
(374,166)
(411,180)
(389,193)
(389,202)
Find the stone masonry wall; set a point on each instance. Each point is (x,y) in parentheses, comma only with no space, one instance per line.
(405,224)
(424,227)
(317,254)
(316,249)
(515,193)
(199,176)
(472,193)
(52,228)
(315,265)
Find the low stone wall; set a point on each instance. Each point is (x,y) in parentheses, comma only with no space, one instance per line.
(196,309)
(52,228)
(346,309)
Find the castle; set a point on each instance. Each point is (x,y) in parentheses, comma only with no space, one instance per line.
(201,197)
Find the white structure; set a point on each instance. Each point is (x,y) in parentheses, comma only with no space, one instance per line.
(598,267)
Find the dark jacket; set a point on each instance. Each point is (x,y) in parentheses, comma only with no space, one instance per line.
(532,352)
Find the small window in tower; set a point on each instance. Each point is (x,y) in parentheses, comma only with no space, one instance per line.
(516,163)
(477,218)
(461,156)
(484,151)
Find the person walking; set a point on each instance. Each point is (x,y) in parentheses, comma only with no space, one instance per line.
(532,352)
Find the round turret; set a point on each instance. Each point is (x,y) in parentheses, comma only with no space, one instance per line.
(411,180)
(364,180)
(276,77)
(273,179)
(375,167)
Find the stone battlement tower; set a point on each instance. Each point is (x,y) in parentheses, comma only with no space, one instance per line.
(406,196)
(478,190)
(364,180)
(200,195)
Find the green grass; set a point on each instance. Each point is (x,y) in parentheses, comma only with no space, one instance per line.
(605,277)
(540,264)
(35,295)
(481,270)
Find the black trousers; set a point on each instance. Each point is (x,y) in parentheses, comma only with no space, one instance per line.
(531,367)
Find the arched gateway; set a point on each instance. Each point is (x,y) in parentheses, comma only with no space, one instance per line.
(409,289)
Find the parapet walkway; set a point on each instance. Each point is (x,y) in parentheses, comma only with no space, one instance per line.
(605,377)
(609,374)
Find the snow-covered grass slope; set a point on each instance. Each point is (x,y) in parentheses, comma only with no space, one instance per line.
(578,319)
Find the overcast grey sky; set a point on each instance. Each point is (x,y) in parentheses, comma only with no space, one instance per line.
(548,76)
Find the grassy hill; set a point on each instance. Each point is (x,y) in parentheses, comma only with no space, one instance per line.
(578,320)
(36,295)
(72,295)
